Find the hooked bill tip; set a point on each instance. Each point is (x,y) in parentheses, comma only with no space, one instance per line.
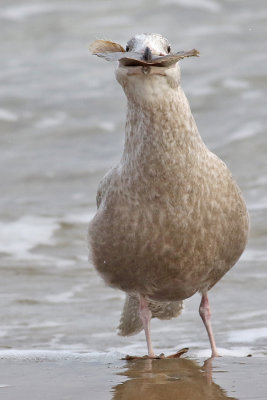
(147,54)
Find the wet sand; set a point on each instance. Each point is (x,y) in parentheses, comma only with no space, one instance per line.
(43,378)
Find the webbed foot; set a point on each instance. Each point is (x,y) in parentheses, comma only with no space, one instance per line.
(178,354)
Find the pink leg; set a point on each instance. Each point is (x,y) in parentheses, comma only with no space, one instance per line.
(204,311)
(145,315)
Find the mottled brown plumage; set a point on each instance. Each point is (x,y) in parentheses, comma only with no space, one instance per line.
(171,220)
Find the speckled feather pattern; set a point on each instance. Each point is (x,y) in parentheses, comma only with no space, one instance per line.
(171,220)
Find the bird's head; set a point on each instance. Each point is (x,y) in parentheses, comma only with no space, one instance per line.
(146,66)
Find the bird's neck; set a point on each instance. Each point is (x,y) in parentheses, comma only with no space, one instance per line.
(160,132)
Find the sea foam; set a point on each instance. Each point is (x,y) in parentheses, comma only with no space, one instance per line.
(6,115)
(248,335)
(18,238)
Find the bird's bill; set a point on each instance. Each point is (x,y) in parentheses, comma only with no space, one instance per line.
(111,51)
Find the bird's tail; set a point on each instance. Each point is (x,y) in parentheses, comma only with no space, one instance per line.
(130,322)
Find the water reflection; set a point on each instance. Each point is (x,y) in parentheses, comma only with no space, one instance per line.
(175,379)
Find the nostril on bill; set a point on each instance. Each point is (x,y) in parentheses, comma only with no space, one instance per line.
(147,54)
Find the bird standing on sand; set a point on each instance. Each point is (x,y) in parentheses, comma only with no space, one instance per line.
(171,220)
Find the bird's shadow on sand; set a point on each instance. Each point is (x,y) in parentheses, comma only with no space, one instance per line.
(168,379)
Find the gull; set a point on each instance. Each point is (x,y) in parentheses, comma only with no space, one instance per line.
(171,220)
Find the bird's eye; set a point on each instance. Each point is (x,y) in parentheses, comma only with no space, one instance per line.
(127,48)
(169,49)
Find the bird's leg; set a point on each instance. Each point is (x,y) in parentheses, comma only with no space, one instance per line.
(145,315)
(205,313)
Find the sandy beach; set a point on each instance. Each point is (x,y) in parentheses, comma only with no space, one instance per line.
(55,376)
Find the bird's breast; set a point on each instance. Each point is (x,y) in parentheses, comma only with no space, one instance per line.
(188,229)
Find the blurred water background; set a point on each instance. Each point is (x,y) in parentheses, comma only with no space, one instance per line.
(62,118)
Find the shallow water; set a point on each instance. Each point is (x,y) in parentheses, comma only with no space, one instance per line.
(62,120)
